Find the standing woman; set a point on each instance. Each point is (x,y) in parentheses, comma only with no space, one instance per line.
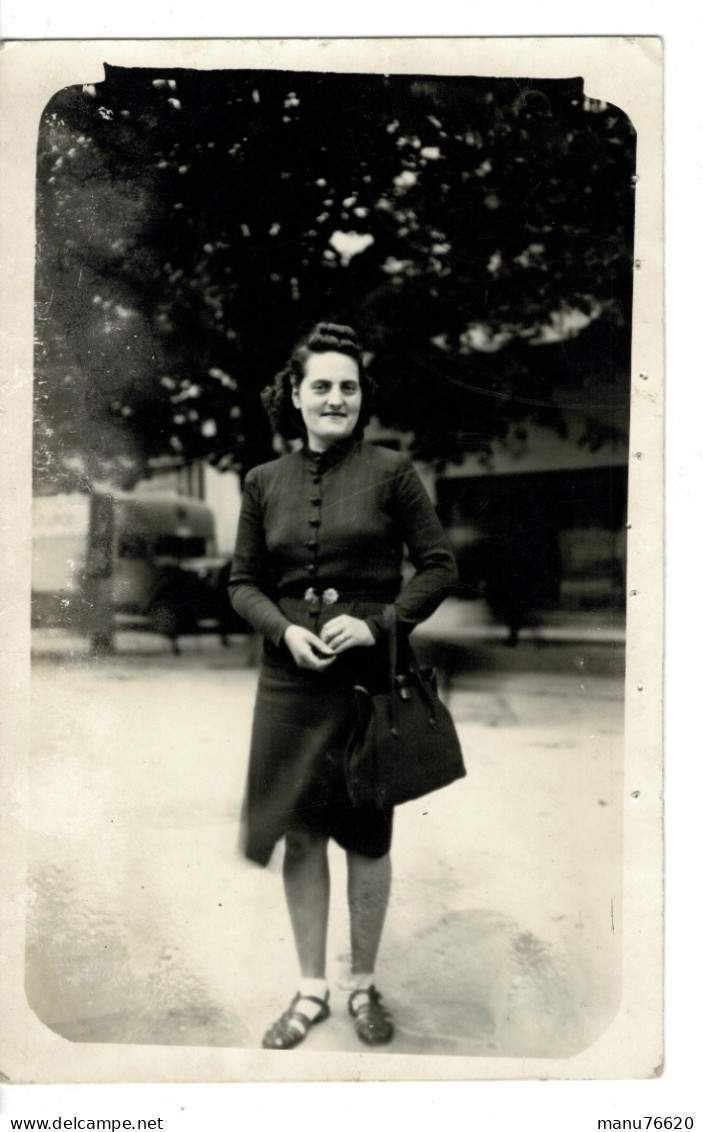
(317,566)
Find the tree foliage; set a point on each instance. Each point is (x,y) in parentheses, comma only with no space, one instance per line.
(190,224)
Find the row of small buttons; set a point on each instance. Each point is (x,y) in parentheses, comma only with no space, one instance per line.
(312,543)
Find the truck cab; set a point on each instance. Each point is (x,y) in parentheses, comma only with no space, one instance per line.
(107,560)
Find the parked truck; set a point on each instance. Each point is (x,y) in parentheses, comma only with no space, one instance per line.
(109,560)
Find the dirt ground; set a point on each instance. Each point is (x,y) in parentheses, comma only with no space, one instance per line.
(146,926)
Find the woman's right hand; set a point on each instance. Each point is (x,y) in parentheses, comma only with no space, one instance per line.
(307,650)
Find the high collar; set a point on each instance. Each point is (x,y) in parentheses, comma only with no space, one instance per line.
(321,461)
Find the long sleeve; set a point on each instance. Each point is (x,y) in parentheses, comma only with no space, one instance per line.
(248,583)
(428,547)
(435,568)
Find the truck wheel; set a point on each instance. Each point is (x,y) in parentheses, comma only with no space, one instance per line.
(164,621)
(102,644)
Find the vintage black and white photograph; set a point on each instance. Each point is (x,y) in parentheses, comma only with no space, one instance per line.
(332,460)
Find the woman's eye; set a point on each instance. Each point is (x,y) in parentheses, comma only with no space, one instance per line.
(322,387)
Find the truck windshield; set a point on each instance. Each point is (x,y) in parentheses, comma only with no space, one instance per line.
(173,546)
(132,546)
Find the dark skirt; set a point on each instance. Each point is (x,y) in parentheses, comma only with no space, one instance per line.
(302,724)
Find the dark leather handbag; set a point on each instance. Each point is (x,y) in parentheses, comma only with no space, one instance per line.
(404,744)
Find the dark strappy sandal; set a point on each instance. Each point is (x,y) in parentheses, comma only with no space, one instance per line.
(292,1027)
(373,1021)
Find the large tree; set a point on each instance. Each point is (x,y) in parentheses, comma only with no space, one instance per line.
(190,223)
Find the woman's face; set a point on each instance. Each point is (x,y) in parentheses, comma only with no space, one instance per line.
(329,398)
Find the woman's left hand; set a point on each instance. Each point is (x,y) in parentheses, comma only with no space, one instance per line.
(345,632)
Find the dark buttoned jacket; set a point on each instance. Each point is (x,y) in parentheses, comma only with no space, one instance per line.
(323,534)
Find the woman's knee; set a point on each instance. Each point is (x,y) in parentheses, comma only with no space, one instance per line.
(304,843)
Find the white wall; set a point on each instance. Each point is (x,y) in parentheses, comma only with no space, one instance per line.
(542,450)
(223,494)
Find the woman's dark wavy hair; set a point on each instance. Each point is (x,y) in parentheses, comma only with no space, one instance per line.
(324,338)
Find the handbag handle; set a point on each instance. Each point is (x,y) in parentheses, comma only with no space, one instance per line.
(392,618)
(392,642)
(404,690)
(393,666)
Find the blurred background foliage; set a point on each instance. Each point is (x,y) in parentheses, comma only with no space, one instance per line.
(478,232)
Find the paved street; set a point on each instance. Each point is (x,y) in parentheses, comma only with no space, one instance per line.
(146,926)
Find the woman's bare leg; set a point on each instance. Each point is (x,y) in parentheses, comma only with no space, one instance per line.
(368,892)
(369,886)
(306,880)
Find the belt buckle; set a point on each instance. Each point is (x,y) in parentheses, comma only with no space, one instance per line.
(329,596)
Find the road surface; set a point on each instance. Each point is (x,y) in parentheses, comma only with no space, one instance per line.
(146,926)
